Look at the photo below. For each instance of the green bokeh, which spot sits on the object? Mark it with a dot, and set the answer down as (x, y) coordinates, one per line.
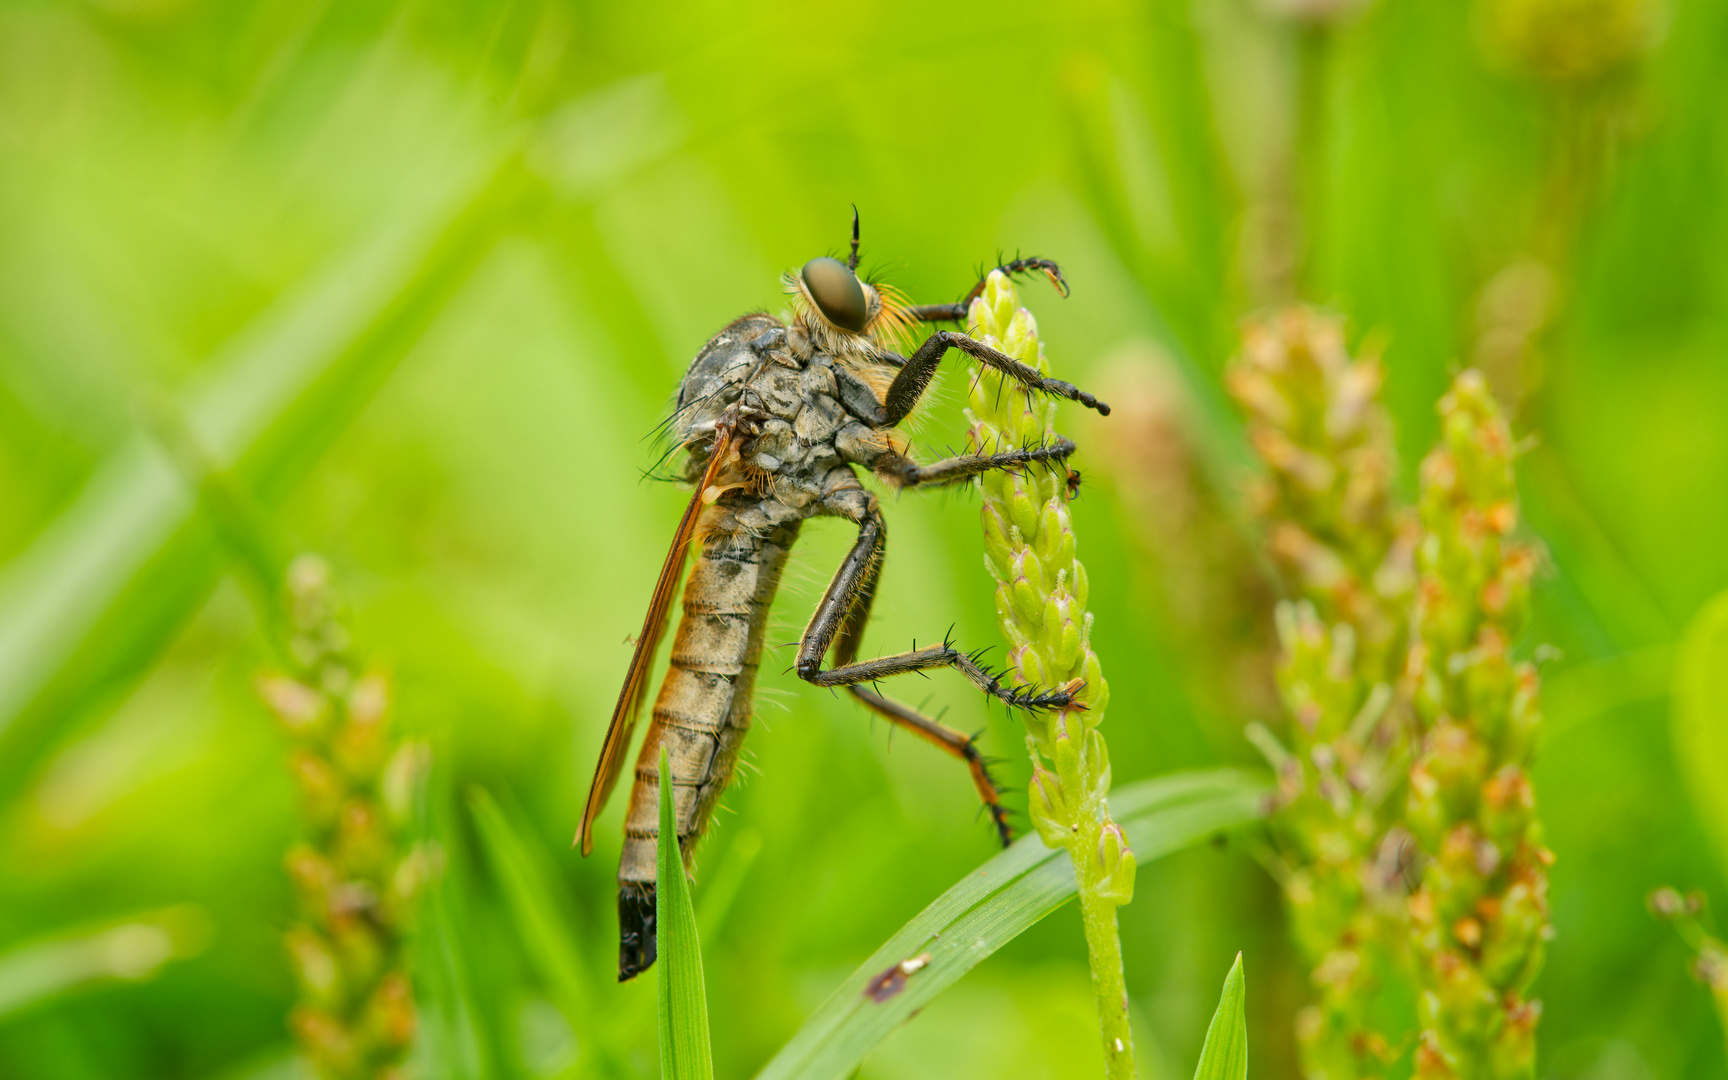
(490, 236)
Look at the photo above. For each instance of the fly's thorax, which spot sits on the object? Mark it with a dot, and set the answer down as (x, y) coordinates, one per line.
(875, 372)
(800, 410)
(798, 395)
(715, 380)
(786, 434)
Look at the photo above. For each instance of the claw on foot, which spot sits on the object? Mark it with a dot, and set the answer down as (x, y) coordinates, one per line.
(1072, 687)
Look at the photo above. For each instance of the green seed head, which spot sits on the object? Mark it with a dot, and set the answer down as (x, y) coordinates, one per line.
(1481, 910)
(358, 788)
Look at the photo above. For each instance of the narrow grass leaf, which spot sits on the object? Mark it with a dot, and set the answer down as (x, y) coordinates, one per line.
(101, 591)
(463, 1025)
(685, 1053)
(991, 906)
(1701, 719)
(132, 949)
(1225, 1055)
(534, 910)
(452, 1030)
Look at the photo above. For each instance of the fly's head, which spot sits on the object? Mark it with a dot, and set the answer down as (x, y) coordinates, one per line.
(842, 314)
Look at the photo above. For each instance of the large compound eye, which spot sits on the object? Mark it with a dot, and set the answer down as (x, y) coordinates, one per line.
(837, 292)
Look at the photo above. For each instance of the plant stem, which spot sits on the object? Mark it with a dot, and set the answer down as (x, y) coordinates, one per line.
(1103, 941)
(1109, 986)
(1041, 589)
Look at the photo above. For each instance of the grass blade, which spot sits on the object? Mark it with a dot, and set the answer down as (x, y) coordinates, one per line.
(1225, 1055)
(989, 908)
(129, 950)
(462, 1017)
(544, 933)
(453, 1029)
(685, 1053)
(100, 592)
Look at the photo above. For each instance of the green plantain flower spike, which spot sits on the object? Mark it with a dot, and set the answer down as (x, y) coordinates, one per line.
(1041, 592)
(1709, 954)
(1344, 550)
(1480, 914)
(355, 877)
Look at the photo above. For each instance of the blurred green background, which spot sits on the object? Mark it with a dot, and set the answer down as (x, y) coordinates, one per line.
(422, 276)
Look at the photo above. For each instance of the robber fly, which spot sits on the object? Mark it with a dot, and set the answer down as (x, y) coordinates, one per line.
(775, 418)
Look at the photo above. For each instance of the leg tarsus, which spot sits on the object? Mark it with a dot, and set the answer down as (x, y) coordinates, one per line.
(957, 312)
(964, 747)
(1023, 266)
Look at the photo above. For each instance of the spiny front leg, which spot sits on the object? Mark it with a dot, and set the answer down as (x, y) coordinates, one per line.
(957, 312)
(914, 377)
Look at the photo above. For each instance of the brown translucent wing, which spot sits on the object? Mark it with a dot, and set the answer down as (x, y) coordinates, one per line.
(635, 689)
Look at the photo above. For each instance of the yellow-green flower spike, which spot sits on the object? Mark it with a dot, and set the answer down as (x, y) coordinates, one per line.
(1709, 954)
(1570, 42)
(1344, 550)
(1480, 915)
(1041, 590)
(355, 876)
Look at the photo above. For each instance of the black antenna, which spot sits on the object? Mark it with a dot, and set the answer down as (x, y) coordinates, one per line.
(852, 263)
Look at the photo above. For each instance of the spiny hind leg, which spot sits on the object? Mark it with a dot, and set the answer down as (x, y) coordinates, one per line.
(937, 656)
(839, 622)
(948, 740)
(861, 576)
(840, 616)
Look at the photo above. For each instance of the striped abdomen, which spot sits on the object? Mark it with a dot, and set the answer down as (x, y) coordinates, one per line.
(701, 716)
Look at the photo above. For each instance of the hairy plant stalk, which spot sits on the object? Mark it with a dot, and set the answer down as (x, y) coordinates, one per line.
(1344, 549)
(1480, 914)
(355, 876)
(1029, 548)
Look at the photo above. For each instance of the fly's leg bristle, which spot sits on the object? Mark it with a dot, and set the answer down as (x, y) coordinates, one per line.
(992, 794)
